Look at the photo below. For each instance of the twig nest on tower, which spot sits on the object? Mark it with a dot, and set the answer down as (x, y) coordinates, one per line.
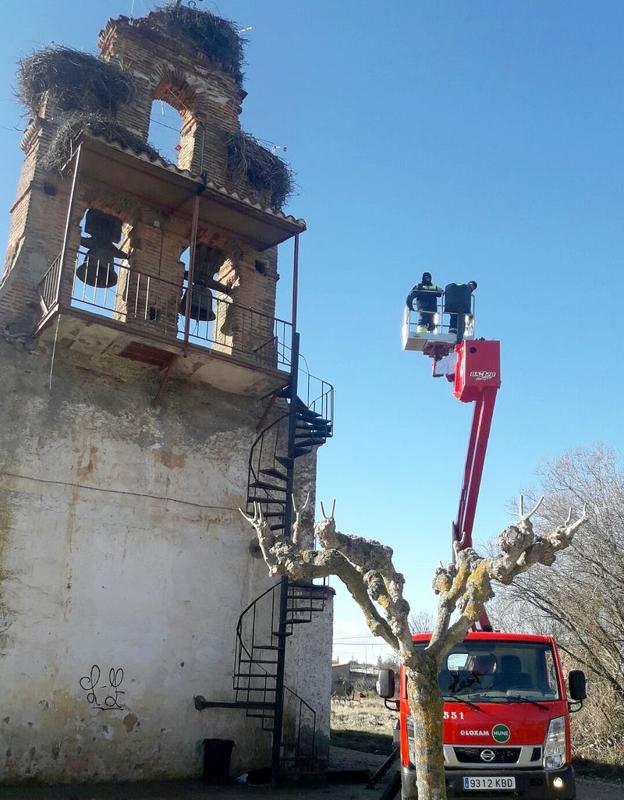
(78, 81)
(264, 171)
(61, 147)
(216, 38)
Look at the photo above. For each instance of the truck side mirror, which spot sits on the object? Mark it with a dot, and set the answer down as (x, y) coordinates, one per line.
(385, 684)
(577, 685)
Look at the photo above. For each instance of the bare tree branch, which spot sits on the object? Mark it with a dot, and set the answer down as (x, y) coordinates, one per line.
(283, 556)
(466, 585)
(373, 560)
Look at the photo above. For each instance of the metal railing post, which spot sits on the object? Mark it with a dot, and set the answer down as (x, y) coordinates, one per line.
(191, 271)
(68, 223)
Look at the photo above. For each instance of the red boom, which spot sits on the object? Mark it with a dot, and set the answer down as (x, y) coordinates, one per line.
(477, 379)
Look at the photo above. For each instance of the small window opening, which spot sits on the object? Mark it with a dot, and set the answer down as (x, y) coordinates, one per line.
(261, 267)
(165, 130)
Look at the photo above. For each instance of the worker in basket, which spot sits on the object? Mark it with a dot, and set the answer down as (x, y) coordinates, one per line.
(426, 294)
(458, 304)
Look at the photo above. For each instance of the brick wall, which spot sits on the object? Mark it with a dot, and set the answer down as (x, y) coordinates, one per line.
(209, 100)
(165, 68)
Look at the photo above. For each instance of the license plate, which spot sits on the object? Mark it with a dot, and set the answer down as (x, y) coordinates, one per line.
(493, 784)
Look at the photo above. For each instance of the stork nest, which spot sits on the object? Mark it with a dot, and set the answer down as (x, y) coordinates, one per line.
(262, 169)
(63, 145)
(79, 81)
(215, 37)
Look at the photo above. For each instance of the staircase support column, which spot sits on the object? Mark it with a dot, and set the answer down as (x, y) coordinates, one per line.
(283, 606)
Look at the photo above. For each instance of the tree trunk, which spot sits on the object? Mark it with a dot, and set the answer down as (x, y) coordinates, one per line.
(427, 707)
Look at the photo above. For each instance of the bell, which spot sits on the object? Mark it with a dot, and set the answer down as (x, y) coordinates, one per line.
(201, 304)
(98, 273)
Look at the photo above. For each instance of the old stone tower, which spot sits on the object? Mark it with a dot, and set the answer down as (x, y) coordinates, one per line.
(149, 392)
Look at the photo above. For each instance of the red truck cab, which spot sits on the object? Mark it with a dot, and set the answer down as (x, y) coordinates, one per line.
(506, 719)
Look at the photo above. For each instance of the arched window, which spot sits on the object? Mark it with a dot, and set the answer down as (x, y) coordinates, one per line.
(208, 298)
(165, 130)
(101, 265)
(173, 127)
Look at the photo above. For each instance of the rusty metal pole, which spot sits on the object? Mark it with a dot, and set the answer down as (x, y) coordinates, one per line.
(278, 721)
(295, 286)
(191, 271)
(68, 224)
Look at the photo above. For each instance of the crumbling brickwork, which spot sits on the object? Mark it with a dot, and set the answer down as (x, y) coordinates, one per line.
(160, 65)
(172, 70)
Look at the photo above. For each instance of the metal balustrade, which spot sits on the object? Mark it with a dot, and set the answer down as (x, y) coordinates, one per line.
(154, 307)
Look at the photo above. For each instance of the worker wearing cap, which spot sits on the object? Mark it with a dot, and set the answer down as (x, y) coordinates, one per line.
(426, 294)
(458, 304)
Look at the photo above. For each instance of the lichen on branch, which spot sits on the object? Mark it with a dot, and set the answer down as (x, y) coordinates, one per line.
(466, 585)
(365, 567)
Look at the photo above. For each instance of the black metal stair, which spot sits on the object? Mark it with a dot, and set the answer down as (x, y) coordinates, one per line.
(269, 457)
(263, 629)
(257, 645)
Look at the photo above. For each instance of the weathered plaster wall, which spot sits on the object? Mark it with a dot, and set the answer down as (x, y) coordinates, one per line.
(308, 673)
(121, 546)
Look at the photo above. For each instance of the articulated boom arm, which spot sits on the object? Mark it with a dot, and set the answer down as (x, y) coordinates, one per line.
(477, 379)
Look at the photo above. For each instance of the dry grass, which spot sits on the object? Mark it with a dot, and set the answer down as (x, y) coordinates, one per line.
(362, 724)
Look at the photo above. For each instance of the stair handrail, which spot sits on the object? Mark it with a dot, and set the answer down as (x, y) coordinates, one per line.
(312, 711)
(242, 647)
(259, 441)
(326, 396)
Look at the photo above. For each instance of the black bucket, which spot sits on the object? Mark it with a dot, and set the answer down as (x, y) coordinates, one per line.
(217, 756)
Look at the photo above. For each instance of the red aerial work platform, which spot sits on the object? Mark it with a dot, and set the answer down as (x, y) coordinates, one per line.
(476, 380)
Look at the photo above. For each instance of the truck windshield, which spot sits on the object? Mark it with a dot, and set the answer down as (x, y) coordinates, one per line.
(500, 671)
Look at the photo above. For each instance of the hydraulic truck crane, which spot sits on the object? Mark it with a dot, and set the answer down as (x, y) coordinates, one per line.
(506, 708)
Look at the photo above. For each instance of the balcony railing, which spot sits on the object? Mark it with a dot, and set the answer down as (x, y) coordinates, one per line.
(153, 307)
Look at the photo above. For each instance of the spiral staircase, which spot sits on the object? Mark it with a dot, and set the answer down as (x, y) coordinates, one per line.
(297, 418)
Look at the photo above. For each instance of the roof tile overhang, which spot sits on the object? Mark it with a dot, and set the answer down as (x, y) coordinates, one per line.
(173, 190)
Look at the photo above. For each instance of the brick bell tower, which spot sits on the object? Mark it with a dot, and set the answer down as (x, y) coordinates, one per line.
(151, 392)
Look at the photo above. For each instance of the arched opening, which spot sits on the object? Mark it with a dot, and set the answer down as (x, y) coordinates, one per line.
(208, 299)
(173, 127)
(100, 266)
(165, 128)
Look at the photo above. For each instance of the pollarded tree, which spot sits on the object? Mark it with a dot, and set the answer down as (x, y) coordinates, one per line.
(463, 587)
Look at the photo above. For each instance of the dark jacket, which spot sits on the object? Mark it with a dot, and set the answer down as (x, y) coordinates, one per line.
(426, 296)
(457, 298)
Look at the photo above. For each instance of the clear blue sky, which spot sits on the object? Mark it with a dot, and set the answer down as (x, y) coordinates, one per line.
(475, 139)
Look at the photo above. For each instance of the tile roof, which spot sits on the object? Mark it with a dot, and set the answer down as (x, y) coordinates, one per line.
(163, 164)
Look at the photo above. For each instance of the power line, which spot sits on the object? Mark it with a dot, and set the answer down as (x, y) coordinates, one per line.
(164, 125)
(110, 491)
(363, 644)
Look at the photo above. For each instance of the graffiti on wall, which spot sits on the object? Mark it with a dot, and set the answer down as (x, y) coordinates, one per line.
(99, 693)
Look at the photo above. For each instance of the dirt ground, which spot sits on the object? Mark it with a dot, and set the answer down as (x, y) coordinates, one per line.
(342, 758)
(362, 724)
(195, 790)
